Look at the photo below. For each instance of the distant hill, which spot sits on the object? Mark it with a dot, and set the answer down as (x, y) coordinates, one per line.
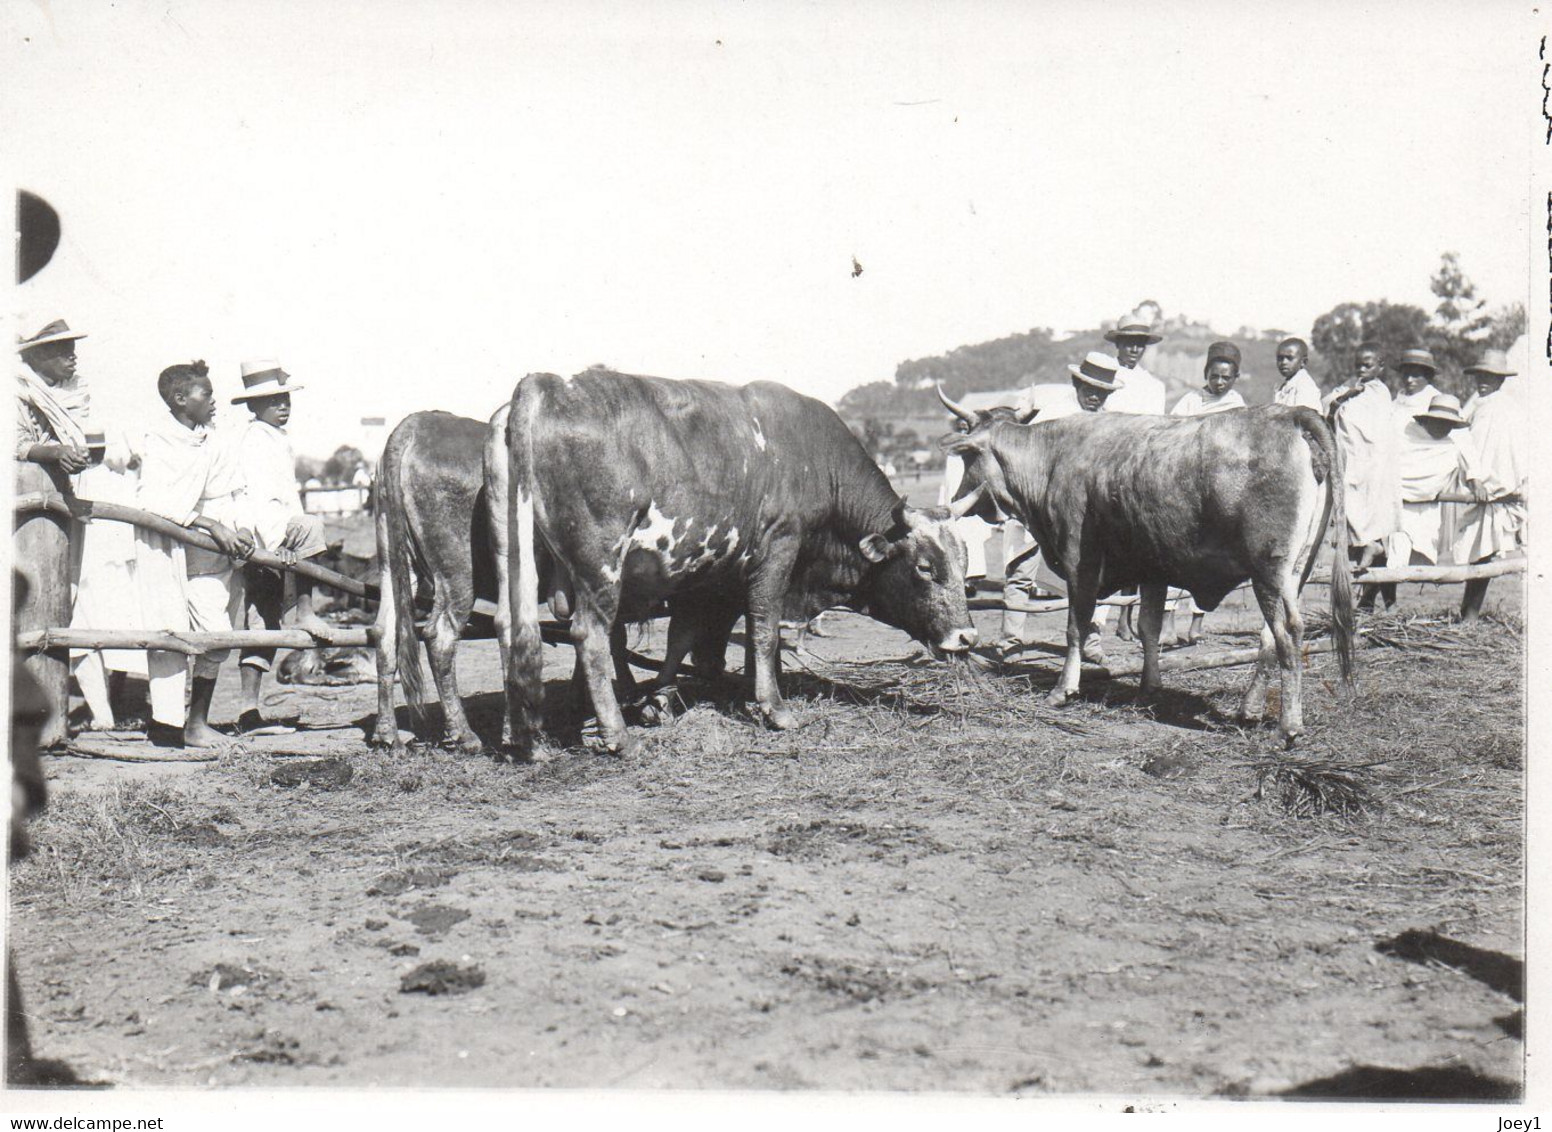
(1038, 356)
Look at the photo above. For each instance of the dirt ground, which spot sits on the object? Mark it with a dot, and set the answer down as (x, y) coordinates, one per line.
(935, 883)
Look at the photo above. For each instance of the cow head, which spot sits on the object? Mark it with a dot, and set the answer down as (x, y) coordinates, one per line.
(983, 491)
(917, 582)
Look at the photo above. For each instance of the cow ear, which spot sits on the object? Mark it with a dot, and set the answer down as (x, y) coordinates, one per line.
(875, 548)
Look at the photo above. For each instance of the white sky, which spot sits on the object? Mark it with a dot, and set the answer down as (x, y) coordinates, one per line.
(413, 204)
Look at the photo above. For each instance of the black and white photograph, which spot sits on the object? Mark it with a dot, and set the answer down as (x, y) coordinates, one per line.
(736, 550)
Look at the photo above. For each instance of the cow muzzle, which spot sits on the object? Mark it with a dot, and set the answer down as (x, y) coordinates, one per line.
(959, 640)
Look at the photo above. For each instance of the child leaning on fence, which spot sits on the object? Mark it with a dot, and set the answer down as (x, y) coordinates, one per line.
(189, 474)
(279, 525)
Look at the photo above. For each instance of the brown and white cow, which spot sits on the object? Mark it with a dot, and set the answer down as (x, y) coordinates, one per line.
(439, 553)
(1203, 503)
(709, 496)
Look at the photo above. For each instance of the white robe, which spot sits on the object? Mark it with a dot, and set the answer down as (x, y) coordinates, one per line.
(1140, 392)
(1429, 468)
(1300, 389)
(1499, 464)
(1198, 403)
(106, 594)
(1366, 430)
(184, 473)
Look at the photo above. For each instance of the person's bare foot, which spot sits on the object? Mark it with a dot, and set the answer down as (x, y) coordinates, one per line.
(202, 735)
(317, 628)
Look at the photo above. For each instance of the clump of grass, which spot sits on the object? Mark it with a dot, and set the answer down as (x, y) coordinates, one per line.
(1309, 788)
(115, 841)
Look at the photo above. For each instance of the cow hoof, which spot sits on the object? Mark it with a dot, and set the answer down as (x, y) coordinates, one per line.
(780, 718)
(464, 744)
(658, 708)
(595, 739)
(1057, 698)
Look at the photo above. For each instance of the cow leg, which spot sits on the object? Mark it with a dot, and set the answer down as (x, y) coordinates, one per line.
(1150, 620)
(767, 592)
(624, 678)
(590, 630)
(1288, 632)
(1082, 594)
(386, 732)
(1253, 702)
(442, 649)
(681, 638)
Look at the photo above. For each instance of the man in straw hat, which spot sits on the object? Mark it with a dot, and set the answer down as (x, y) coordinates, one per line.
(189, 474)
(279, 525)
(1140, 391)
(1498, 473)
(1298, 388)
(50, 448)
(1363, 415)
(1417, 369)
(1433, 462)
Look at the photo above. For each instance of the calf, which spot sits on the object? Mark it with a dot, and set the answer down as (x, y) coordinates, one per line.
(1203, 503)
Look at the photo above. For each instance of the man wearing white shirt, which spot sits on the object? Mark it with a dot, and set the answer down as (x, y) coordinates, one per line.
(1498, 472)
(1364, 418)
(1417, 369)
(1140, 391)
(1298, 387)
(279, 525)
(1433, 461)
(189, 474)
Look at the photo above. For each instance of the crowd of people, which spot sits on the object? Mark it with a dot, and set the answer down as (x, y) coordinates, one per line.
(235, 486)
(1428, 480)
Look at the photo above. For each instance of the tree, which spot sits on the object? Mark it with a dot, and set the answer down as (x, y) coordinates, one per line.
(1003, 363)
(341, 467)
(308, 467)
(1337, 334)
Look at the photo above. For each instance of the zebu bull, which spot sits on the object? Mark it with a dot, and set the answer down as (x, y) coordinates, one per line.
(439, 552)
(1203, 503)
(714, 497)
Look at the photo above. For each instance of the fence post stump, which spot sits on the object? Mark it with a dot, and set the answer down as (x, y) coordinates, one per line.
(42, 547)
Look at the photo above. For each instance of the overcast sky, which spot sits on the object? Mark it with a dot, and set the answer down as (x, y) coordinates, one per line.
(413, 204)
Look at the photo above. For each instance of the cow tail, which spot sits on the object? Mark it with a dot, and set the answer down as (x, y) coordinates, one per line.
(525, 685)
(402, 561)
(1343, 615)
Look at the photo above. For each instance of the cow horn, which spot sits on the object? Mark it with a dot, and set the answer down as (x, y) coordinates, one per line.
(962, 506)
(959, 411)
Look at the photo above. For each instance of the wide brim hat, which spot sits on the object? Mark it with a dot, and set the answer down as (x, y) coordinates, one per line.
(56, 331)
(1098, 370)
(1443, 408)
(264, 378)
(1494, 363)
(1132, 327)
(1419, 358)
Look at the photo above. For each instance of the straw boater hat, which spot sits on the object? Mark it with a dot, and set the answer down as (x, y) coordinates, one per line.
(55, 331)
(1417, 356)
(1223, 352)
(1098, 370)
(1132, 326)
(1442, 408)
(264, 378)
(1494, 362)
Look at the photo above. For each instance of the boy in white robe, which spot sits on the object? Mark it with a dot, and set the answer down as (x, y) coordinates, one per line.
(1298, 387)
(190, 475)
(279, 525)
(1498, 472)
(1365, 427)
(1433, 462)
